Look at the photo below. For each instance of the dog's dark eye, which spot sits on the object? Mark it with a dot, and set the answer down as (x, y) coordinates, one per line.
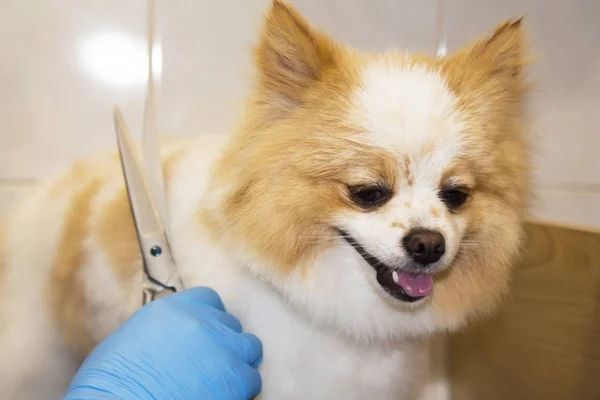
(369, 197)
(454, 197)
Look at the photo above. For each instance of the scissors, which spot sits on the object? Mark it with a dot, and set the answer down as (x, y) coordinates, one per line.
(145, 189)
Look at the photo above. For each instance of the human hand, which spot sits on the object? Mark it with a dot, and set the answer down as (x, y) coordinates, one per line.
(183, 346)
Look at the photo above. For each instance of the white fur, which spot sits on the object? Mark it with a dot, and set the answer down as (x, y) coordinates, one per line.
(332, 334)
(34, 363)
(404, 109)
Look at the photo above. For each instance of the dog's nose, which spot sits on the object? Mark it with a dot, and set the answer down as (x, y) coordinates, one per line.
(424, 246)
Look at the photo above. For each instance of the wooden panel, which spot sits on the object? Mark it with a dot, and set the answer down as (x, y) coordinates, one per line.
(545, 341)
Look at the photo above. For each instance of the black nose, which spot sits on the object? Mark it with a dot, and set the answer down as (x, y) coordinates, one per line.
(424, 246)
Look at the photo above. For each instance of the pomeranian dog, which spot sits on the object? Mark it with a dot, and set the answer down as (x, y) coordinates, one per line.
(365, 202)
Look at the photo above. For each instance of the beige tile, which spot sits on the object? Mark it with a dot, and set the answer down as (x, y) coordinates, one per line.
(565, 105)
(11, 193)
(59, 60)
(581, 208)
(52, 106)
(376, 24)
(207, 51)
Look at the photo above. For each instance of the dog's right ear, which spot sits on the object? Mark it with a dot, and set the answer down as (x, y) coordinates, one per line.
(290, 57)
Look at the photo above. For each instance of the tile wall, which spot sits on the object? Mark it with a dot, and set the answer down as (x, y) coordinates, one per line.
(64, 63)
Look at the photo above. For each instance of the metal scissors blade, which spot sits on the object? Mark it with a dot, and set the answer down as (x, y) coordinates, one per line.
(150, 148)
(159, 266)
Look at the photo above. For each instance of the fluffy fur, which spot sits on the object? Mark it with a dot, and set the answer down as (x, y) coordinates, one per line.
(256, 215)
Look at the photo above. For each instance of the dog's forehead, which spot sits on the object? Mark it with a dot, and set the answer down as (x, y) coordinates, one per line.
(408, 109)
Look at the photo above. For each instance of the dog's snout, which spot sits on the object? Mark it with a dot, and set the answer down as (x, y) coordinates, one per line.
(424, 246)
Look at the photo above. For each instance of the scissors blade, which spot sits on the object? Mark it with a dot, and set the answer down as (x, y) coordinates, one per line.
(156, 252)
(150, 148)
(144, 207)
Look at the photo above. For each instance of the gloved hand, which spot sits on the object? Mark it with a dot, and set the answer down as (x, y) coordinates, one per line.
(183, 346)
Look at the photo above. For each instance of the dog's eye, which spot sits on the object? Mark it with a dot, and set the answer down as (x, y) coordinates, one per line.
(454, 197)
(369, 197)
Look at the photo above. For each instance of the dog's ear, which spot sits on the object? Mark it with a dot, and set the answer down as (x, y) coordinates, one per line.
(499, 58)
(502, 52)
(291, 56)
(488, 75)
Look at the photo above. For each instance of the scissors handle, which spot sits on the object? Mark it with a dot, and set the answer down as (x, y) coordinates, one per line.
(151, 289)
(148, 294)
(160, 272)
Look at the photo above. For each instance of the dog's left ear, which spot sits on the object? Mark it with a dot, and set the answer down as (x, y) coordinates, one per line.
(291, 57)
(502, 52)
(497, 59)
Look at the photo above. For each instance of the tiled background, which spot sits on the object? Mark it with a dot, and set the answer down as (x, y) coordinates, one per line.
(64, 63)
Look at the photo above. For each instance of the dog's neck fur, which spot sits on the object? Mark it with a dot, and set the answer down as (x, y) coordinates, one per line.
(302, 358)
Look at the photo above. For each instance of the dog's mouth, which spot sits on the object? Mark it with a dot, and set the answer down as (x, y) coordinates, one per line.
(402, 285)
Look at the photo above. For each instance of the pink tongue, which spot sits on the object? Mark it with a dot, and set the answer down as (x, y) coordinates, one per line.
(415, 285)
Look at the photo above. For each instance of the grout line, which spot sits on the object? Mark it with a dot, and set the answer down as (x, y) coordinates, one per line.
(13, 182)
(572, 189)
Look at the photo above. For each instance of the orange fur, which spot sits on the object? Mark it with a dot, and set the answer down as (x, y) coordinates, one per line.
(460, 169)
(65, 289)
(75, 176)
(408, 173)
(116, 235)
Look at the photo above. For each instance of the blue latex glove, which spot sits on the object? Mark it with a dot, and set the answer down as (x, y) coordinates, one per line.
(183, 346)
